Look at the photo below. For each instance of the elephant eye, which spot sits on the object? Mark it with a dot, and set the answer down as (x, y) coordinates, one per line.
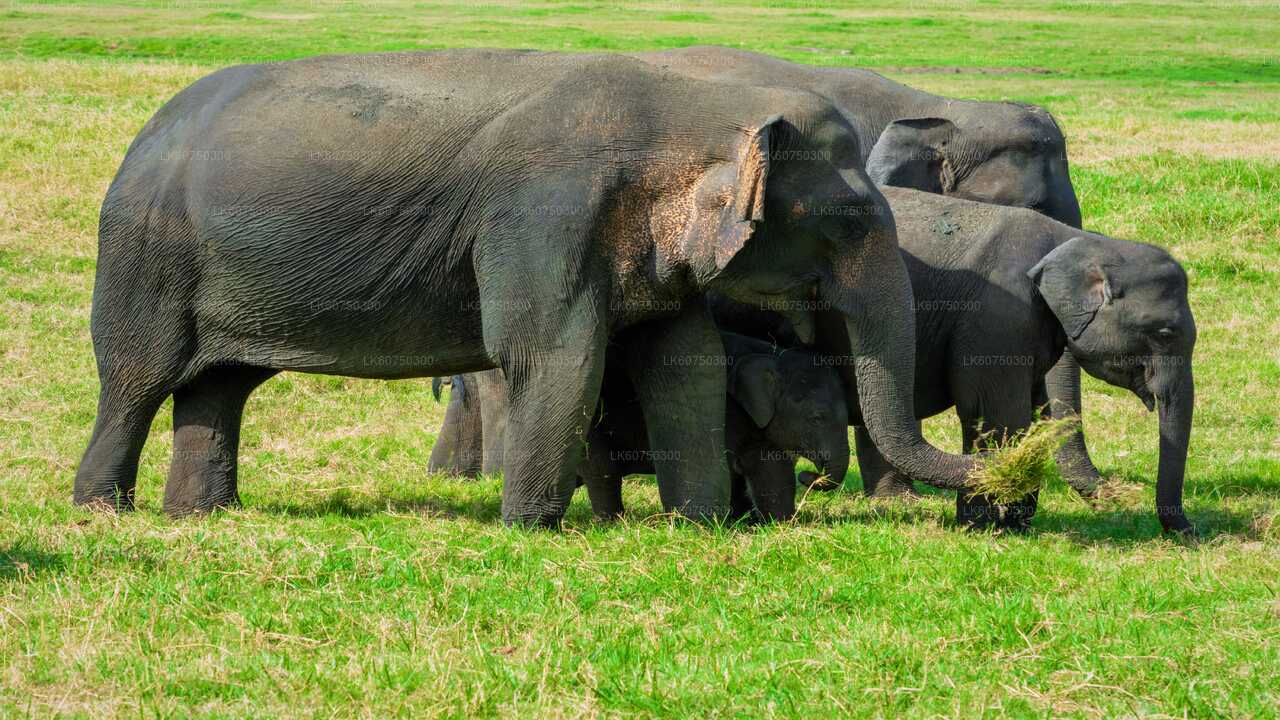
(1166, 332)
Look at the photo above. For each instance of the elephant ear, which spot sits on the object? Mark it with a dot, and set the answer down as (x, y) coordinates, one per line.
(754, 384)
(912, 153)
(1074, 281)
(730, 200)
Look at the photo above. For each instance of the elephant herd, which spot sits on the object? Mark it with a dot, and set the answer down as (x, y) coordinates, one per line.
(699, 263)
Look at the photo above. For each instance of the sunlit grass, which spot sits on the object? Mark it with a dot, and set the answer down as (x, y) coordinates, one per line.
(354, 583)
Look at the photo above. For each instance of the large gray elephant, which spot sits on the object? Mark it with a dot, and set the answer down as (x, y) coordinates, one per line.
(996, 152)
(426, 214)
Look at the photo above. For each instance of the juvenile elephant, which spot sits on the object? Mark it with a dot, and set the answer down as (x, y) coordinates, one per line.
(782, 404)
(426, 214)
(1001, 292)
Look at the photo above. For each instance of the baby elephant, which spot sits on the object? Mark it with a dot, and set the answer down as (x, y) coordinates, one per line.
(1000, 293)
(783, 404)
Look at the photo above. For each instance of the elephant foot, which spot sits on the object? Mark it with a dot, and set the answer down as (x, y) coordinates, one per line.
(1086, 485)
(976, 512)
(1015, 523)
(114, 502)
(1177, 526)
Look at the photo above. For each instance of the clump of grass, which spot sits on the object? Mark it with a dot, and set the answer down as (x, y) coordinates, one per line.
(1020, 464)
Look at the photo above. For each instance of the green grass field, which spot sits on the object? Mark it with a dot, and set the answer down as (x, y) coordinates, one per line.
(354, 584)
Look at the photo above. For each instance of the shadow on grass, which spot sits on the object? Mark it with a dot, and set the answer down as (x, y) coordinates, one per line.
(1122, 527)
(20, 563)
(1086, 526)
(1237, 484)
(344, 503)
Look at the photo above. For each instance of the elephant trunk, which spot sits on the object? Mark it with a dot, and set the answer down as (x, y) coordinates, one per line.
(1059, 201)
(832, 464)
(1063, 206)
(1176, 398)
(872, 341)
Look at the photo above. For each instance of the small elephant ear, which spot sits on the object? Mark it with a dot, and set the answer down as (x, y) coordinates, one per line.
(754, 384)
(911, 153)
(1074, 282)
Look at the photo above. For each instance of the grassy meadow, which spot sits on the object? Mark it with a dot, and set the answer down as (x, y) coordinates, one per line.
(352, 583)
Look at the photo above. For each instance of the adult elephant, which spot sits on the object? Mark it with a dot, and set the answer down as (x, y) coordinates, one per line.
(1002, 153)
(425, 214)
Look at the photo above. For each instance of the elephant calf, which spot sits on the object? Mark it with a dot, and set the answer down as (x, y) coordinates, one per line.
(1001, 292)
(782, 404)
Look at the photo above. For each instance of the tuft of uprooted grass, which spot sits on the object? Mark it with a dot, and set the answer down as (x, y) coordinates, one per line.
(1020, 464)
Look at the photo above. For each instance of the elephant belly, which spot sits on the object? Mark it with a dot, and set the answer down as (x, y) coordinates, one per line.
(315, 324)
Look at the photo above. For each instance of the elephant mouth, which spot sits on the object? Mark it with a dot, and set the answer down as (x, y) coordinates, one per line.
(1140, 385)
(1146, 396)
(813, 480)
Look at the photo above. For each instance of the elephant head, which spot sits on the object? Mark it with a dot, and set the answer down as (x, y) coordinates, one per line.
(1001, 153)
(1123, 307)
(798, 403)
(796, 220)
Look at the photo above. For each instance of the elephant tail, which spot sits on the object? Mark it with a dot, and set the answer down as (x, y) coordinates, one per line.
(455, 383)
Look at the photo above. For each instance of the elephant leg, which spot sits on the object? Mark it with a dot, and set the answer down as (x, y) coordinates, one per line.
(553, 390)
(605, 493)
(206, 439)
(989, 412)
(458, 445)
(772, 483)
(974, 511)
(740, 504)
(677, 367)
(108, 473)
(879, 478)
(1063, 385)
(491, 392)
(603, 480)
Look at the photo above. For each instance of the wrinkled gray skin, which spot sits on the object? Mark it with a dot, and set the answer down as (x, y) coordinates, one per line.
(428, 214)
(782, 404)
(1001, 292)
(995, 152)
(1002, 153)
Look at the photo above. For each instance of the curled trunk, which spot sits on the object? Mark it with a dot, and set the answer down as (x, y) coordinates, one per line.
(868, 331)
(832, 466)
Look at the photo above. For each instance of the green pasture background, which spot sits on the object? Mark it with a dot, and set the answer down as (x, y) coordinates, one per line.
(352, 583)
